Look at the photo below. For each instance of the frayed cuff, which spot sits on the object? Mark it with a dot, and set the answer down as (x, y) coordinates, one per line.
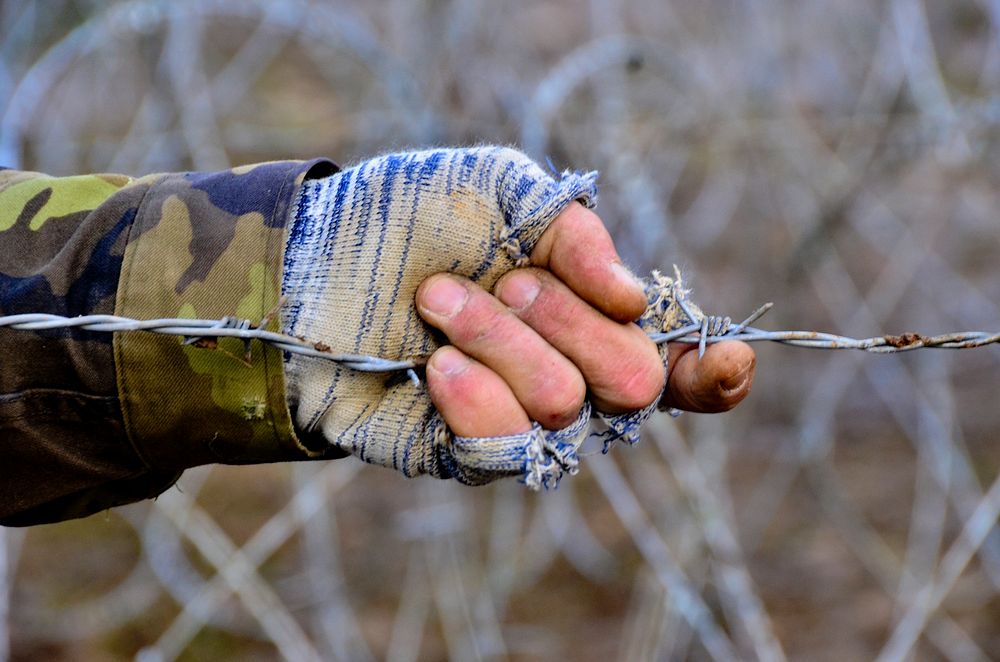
(539, 457)
(520, 239)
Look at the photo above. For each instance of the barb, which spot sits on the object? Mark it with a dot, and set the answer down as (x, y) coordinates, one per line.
(697, 333)
(205, 333)
(702, 330)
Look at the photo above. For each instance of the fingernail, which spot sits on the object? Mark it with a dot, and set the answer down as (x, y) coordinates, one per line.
(625, 276)
(445, 297)
(450, 361)
(519, 290)
(734, 382)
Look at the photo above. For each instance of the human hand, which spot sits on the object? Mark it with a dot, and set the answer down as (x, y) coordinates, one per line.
(552, 332)
(370, 241)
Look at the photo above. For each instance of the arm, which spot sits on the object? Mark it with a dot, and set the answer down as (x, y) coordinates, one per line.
(88, 421)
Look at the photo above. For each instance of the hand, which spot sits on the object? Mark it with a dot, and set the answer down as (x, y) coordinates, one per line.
(553, 331)
(444, 228)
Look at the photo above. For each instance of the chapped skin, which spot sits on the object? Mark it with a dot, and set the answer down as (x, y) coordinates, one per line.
(567, 330)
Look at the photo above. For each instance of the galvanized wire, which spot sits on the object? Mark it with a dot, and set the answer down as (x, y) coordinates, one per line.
(204, 333)
(702, 330)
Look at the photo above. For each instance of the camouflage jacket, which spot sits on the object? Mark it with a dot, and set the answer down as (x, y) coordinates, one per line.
(90, 420)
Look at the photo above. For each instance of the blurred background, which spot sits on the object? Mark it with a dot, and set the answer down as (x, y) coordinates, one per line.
(837, 157)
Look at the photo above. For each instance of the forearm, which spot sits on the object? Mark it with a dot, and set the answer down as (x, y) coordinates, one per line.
(88, 421)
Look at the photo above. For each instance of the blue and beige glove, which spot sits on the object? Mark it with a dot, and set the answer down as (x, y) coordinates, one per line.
(361, 243)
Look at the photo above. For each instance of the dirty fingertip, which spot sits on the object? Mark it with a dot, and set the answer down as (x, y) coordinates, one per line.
(578, 249)
(632, 294)
(714, 383)
(449, 361)
(473, 400)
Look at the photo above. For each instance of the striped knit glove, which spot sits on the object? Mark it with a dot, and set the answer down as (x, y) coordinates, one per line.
(361, 242)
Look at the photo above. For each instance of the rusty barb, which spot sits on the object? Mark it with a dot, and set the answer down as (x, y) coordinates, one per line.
(703, 330)
(707, 329)
(700, 331)
(698, 328)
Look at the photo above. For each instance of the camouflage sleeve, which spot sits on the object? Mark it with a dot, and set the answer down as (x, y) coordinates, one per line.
(88, 421)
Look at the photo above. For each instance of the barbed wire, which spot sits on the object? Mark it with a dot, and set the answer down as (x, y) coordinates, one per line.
(702, 330)
(205, 333)
(713, 328)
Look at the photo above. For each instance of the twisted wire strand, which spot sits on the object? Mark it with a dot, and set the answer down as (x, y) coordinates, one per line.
(888, 344)
(712, 329)
(702, 330)
(708, 329)
(195, 330)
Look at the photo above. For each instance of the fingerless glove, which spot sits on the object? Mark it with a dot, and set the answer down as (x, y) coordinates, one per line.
(361, 242)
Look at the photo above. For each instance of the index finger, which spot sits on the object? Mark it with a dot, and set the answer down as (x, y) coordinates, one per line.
(577, 248)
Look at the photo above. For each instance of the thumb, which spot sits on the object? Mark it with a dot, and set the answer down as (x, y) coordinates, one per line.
(716, 382)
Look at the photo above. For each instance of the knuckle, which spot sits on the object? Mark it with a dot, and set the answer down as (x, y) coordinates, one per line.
(559, 318)
(477, 324)
(562, 399)
(639, 382)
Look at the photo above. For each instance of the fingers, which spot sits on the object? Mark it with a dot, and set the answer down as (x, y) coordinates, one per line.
(545, 382)
(621, 366)
(536, 358)
(717, 382)
(578, 249)
(474, 400)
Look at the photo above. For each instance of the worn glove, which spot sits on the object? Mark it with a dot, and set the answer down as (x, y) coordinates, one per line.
(361, 242)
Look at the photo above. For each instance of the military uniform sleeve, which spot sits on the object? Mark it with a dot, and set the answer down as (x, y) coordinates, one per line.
(89, 420)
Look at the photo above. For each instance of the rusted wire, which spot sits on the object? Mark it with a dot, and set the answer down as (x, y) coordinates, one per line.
(712, 329)
(702, 330)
